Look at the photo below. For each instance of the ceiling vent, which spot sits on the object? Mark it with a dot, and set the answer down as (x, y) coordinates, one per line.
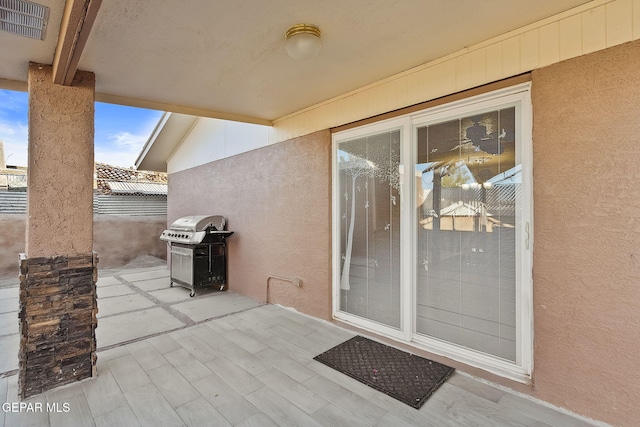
(23, 18)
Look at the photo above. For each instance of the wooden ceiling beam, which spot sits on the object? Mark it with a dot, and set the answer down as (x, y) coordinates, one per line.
(77, 21)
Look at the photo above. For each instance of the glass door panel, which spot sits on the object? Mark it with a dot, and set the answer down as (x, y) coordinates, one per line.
(468, 196)
(369, 227)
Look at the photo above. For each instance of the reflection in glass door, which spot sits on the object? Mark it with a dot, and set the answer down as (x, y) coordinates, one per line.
(466, 232)
(448, 267)
(369, 227)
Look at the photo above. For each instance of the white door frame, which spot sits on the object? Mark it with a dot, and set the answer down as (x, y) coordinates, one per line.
(518, 95)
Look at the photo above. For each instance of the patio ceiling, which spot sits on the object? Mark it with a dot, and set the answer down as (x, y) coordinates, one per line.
(226, 59)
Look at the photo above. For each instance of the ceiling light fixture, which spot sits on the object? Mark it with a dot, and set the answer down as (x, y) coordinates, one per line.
(303, 41)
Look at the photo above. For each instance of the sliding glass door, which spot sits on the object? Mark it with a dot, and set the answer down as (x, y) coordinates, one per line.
(432, 230)
(466, 231)
(369, 223)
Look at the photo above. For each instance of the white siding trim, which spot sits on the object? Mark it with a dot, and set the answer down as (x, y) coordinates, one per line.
(209, 140)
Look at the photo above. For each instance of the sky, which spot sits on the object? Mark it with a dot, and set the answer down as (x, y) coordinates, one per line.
(120, 132)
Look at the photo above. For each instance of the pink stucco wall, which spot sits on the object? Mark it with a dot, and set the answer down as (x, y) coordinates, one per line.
(60, 197)
(277, 200)
(117, 240)
(12, 232)
(586, 139)
(586, 266)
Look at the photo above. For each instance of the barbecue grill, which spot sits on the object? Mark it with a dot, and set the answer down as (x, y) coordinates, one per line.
(198, 251)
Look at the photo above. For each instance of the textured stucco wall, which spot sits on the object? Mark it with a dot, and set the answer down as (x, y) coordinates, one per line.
(12, 231)
(586, 244)
(121, 239)
(117, 240)
(586, 139)
(60, 197)
(277, 200)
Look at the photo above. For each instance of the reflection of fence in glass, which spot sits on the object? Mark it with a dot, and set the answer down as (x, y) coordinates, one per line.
(474, 209)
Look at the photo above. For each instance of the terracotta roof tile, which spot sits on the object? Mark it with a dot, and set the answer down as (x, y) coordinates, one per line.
(105, 172)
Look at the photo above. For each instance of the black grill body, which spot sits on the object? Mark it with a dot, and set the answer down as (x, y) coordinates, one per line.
(198, 252)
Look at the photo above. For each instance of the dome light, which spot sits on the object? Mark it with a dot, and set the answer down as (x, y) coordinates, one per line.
(303, 41)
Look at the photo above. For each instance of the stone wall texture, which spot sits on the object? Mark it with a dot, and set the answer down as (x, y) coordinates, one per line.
(57, 318)
(58, 273)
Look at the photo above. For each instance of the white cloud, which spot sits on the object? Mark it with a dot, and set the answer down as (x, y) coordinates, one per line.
(122, 151)
(119, 138)
(13, 101)
(128, 140)
(13, 131)
(15, 154)
(6, 129)
(115, 158)
(15, 138)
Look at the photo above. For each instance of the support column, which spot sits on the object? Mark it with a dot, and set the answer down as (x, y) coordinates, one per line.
(58, 273)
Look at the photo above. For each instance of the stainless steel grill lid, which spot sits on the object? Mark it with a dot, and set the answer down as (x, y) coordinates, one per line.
(193, 229)
(199, 223)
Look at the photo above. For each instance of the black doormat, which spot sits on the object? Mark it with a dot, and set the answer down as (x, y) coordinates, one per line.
(409, 378)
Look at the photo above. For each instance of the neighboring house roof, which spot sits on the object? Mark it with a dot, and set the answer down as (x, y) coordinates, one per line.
(107, 180)
(150, 188)
(118, 180)
(499, 201)
(461, 208)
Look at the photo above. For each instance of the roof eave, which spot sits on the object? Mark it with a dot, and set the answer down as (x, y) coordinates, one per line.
(165, 138)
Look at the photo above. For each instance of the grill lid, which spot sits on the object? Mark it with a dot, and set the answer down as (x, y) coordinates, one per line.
(193, 229)
(199, 223)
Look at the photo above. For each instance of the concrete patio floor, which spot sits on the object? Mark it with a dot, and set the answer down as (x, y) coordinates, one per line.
(222, 359)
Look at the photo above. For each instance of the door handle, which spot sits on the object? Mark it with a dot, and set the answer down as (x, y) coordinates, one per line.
(526, 238)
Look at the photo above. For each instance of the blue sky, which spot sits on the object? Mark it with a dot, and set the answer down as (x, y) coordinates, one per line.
(120, 132)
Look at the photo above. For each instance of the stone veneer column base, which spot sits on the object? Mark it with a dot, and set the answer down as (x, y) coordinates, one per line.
(58, 309)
